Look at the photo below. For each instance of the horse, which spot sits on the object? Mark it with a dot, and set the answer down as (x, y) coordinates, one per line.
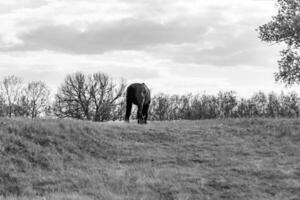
(138, 94)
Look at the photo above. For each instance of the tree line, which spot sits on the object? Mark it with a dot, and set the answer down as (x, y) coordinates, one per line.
(224, 105)
(26, 100)
(98, 97)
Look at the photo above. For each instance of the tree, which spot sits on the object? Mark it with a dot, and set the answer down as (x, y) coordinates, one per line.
(160, 107)
(120, 109)
(37, 98)
(91, 97)
(12, 92)
(204, 107)
(273, 106)
(285, 27)
(3, 106)
(226, 102)
(185, 106)
(73, 98)
(104, 95)
(289, 107)
(260, 104)
(244, 108)
(174, 102)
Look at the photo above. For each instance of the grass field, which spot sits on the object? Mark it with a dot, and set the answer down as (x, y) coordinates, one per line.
(186, 160)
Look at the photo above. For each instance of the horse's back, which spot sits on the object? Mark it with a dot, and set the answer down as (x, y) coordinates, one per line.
(138, 92)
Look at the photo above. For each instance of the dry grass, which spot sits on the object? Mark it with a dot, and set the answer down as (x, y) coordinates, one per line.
(49, 197)
(184, 160)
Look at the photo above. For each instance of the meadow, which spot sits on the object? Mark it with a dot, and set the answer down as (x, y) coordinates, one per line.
(173, 160)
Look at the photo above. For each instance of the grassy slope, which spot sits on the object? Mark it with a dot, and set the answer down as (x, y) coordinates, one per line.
(213, 159)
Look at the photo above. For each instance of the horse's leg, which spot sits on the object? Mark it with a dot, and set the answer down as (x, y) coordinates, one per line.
(128, 110)
(145, 112)
(140, 113)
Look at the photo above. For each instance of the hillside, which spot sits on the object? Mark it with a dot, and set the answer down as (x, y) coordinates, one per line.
(210, 159)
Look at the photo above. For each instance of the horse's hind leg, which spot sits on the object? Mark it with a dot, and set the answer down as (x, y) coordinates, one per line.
(128, 110)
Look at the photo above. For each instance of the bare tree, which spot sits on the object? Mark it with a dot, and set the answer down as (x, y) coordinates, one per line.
(105, 95)
(204, 107)
(273, 106)
(37, 98)
(160, 106)
(288, 105)
(226, 102)
(185, 106)
(174, 107)
(120, 109)
(12, 92)
(73, 98)
(3, 106)
(260, 102)
(91, 97)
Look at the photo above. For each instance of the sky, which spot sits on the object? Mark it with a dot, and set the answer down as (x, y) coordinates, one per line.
(174, 46)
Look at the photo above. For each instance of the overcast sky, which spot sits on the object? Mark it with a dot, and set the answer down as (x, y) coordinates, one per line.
(174, 46)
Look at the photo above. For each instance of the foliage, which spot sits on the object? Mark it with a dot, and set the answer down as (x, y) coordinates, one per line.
(285, 28)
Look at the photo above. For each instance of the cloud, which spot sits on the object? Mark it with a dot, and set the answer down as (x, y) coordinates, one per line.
(213, 36)
(223, 46)
(52, 67)
(99, 37)
(176, 46)
(9, 6)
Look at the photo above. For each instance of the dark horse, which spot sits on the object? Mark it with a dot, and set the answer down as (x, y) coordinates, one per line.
(138, 94)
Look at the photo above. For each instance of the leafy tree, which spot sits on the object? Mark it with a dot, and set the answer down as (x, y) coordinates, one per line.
(285, 28)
